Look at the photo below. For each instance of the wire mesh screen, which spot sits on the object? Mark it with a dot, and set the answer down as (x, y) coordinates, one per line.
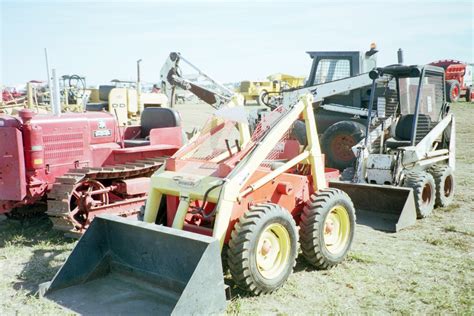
(216, 138)
(431, 104)
(267, 122)
(332, 69)
(219, 141)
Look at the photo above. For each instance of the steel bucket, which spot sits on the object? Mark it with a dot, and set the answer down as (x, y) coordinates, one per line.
(121, 266)
(382, 207)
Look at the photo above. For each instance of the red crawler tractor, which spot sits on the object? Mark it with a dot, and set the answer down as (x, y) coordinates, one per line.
(81, 164)
(459, 78)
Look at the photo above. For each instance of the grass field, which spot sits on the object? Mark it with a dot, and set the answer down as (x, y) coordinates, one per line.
(427, 268)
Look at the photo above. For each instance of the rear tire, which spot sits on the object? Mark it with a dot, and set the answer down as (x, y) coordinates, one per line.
(424, 191)
(337, 142)
(468, 94)
(262, 249)
(327, 228)
(453, 91)
(445, 185)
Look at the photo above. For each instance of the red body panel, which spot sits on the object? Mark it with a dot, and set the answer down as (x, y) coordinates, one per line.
(288, 190)
(12, 169)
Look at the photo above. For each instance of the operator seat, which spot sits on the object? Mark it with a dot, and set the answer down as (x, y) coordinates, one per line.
(153, 117)
(104, 92)
(404, 129)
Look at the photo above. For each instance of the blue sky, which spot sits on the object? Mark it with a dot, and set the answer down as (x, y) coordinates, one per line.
(230, 40)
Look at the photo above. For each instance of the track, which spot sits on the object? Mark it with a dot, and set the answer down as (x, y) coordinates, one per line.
(59, 208)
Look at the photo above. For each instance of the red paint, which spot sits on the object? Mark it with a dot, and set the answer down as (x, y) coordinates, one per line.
(290, 190)
(454, 70)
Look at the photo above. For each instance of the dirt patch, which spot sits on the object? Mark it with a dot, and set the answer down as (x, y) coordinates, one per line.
(424, 269)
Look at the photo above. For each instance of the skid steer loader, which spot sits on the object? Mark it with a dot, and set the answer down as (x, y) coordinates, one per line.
(405, 163)
(226, 190)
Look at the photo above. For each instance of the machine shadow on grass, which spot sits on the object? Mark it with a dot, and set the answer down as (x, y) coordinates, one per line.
(48, 247)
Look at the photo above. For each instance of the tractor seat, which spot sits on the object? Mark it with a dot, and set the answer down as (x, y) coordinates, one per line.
(404, 129)
(394, 143)
(153, 117)
(136, 142)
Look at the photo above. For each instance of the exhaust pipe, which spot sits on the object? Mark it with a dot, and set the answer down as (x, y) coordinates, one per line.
(400, 56)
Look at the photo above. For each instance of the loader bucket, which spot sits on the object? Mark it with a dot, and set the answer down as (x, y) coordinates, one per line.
(382, 207)
(121, 266)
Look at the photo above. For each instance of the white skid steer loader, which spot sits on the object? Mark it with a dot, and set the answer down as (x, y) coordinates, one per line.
(405, 163)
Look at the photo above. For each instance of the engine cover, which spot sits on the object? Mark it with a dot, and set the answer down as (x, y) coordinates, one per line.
(380, 168)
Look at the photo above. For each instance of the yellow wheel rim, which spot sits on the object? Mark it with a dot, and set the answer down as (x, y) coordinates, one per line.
(273, 250)
(336, 229)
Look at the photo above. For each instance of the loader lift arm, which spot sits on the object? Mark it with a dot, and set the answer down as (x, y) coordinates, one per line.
(171, 78)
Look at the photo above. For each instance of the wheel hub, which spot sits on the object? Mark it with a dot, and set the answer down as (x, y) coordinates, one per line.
(448, 186)
(273, 249)
(341, 146)
(426, 194)
(336, 229)
(81, 201)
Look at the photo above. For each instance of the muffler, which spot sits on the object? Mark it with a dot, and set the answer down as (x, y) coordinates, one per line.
(121, 266)
(382, 207)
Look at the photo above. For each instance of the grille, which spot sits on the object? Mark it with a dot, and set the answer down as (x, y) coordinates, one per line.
(332, 69)
(60, 146)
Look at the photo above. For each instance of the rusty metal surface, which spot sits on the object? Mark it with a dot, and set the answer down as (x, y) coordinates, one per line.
(59, 197)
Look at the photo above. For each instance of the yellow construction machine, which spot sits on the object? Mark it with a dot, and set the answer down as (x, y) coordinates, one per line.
(262, 91)
(226, 190)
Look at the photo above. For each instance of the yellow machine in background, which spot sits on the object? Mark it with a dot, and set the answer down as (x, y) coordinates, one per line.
(125, 103)
(259, 90)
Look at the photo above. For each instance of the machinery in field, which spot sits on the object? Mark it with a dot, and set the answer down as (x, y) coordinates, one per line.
(264, 91)
(459, 79)
(81, 164)
(406, 160)
(226, 190)
(126, 103)
(172, 78)
(341, 117)
(73, 95)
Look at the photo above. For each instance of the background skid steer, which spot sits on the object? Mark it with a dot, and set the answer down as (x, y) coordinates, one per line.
(228, 188)
(406, 161)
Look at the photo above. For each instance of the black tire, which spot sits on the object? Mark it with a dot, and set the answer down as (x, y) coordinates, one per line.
(453, 91)
(337, 141)
(468, 94)
(242, 253)
(424, 191)
(445, 184)
(261, 97)
(313, 228)
(299, 132)
(348, 174)
(141, 214)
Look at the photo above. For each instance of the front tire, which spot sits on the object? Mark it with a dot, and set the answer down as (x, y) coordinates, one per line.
(424, 191)
(327, 228)
(262, 249)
